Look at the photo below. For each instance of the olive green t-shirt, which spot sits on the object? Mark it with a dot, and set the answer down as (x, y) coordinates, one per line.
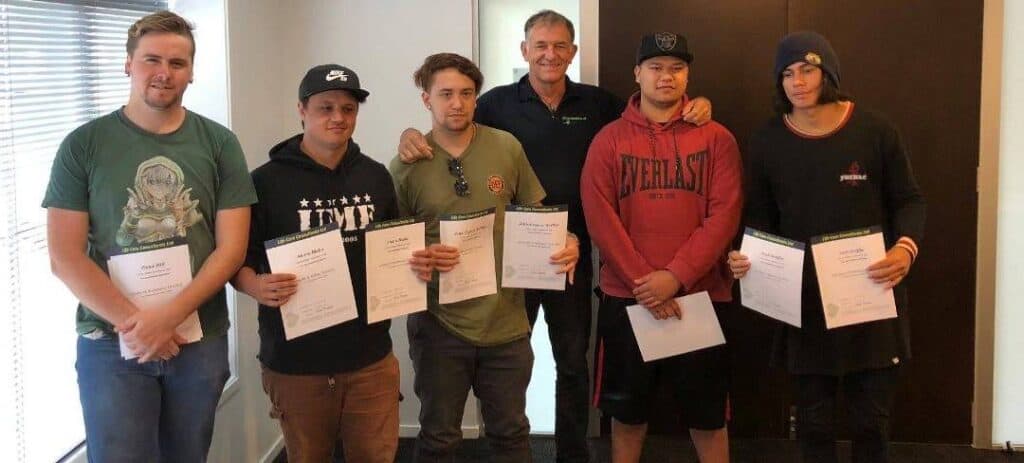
(498, 174)
(139, 187)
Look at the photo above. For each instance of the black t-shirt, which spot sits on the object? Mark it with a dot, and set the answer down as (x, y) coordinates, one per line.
(556, 142)
(798, 187)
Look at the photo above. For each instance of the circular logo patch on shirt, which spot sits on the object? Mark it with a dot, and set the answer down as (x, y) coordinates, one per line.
(496, 184)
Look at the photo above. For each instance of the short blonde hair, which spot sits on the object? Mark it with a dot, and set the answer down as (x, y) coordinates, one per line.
(161, 21)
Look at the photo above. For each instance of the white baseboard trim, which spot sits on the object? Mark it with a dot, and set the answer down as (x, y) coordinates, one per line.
(274, 450)
(76, 456)
(412, 430)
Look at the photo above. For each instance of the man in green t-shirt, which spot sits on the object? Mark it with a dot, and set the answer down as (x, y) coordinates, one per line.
(150, 176)
(481, 343)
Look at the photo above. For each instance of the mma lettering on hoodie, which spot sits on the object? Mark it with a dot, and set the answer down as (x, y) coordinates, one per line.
(647, 173)
(351, 213)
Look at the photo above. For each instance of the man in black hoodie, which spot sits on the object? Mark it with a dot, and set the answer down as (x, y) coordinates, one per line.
(340, 383)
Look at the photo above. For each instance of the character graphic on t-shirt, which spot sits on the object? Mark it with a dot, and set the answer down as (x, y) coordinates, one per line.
(160, 206)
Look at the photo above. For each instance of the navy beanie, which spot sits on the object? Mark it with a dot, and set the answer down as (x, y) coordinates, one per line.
(809, 47)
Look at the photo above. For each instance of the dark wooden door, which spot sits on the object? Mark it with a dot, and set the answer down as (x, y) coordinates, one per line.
(917, 62)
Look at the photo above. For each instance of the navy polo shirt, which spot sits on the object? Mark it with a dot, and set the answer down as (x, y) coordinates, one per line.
(556, 142)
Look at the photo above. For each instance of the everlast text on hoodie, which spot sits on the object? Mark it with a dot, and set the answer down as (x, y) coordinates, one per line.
(663, 197)
(295, 194)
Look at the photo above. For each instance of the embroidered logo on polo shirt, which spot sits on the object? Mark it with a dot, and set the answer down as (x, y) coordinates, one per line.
(570, 120)
(496, 184)
(853, 175)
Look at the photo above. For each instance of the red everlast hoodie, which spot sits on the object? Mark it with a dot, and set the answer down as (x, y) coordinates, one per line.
(663, 197)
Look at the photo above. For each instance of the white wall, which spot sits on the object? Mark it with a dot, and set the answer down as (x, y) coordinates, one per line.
(999, 381)
(244, 431)
(208, 92)
(1008, 397)
(988, 188)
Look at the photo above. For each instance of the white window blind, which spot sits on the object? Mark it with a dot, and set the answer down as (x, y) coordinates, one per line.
(61, 64)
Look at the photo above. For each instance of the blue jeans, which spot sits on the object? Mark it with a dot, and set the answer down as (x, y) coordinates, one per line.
(155, 411)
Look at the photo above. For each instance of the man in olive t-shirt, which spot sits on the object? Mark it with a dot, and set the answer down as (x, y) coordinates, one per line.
(481, 343)
(148, 175)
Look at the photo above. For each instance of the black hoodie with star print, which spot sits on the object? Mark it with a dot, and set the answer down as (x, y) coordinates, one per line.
(296, 194)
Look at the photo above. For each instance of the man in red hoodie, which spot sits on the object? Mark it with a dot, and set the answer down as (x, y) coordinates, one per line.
(662, 200)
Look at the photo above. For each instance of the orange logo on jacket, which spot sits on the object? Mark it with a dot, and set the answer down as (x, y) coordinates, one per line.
(496, 184)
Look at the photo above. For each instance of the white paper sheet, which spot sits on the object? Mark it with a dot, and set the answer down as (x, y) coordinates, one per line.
(473, 235)
(392, 288)
(848, 295)
(324, 296)
(773, 284)
(532, 235)
(698, 329)
(153, 277)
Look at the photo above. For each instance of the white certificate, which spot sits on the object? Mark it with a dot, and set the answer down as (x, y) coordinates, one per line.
(698, 329)
(772, 286)
(473, 235)
(848, 295)
(532, 235)
(324, 296)
(151, 275)
(392, 288)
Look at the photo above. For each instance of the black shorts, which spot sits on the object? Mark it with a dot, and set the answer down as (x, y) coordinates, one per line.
(625, 384)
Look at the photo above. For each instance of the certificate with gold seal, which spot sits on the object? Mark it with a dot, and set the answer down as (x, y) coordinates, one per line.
(848, 295)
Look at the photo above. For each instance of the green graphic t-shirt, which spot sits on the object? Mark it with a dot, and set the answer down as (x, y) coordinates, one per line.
(139, 187)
